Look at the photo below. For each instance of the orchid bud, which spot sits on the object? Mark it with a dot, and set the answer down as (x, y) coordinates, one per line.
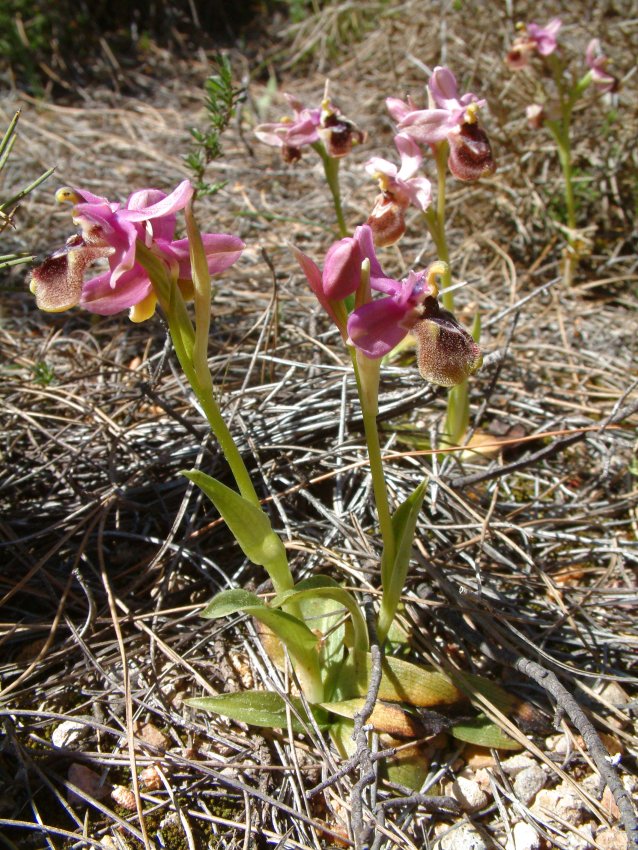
(446, 353)
(470, 153)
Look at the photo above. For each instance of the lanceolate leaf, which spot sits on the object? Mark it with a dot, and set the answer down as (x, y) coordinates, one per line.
(250, 526)
(393, 574)
(293, 632)
(322, 586)
(259, 708)
(300, 642)
(230, 602)
(401, 681)
(484, 733)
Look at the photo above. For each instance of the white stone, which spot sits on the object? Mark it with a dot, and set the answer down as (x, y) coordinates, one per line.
(69, 733)
(529, 782)
(611, 839)
(469, 794)
(563, 801)
(524, 837)
(583, 839)
(514, 764)
(465, 837)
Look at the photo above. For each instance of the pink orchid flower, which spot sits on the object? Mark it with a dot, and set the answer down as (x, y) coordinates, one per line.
(450, 112)
(544, 38)
(446, 353)
(533, 39)
(377, 327)
(309, 126)
(597, 64)
(453, 118)
(399, 188)
(291, 134)
(110, 231)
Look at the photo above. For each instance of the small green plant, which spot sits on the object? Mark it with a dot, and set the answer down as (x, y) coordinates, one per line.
(222, 98)
(9, 205)
(43, 374)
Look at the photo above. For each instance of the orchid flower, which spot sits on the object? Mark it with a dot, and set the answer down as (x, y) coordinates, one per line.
(533, 39)
(399, 188)
(111, 231)
(597, 64)
(341, 275)
(291, 134)
(309, 126)
(446, 353)
(377, 325)
(453, 117)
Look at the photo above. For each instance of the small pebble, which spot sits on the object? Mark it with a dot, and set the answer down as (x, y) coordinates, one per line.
(524, 837)
(69, 733)
(563, 801)
(529, 782)
(468, 793)
(87, 781)
(611, 839)
(515, 764)
(465, 837)
(583, 840)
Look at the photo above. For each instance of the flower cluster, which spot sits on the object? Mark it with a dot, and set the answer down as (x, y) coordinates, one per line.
(308, 127)
(542, 41)
(447, 353)
(110, 231)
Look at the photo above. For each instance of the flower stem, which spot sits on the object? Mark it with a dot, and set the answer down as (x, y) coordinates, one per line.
(435, 221)
(366, 372)
(184, 340)
(331, 170)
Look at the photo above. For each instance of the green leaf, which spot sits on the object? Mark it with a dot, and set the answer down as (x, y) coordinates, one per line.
(259, 708)
(484, 733)
(401, 681)
(249, 525)
(230, 602)
(293, 632)
(317, 587)
(300, 642)
(393, 574)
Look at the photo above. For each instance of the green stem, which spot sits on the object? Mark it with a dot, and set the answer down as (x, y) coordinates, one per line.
(331, 170)
(435, 221)
(184, 341)
(366, 372)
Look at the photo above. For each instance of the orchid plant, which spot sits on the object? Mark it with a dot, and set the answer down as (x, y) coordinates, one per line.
(536, 50)
(318, 623)
(329, 133)
(449, 127)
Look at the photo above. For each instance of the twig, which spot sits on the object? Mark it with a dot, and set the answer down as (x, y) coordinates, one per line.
(542, 454)
(566, 703)
(361, 832)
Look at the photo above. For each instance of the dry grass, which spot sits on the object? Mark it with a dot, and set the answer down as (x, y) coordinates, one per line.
(108, 556)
